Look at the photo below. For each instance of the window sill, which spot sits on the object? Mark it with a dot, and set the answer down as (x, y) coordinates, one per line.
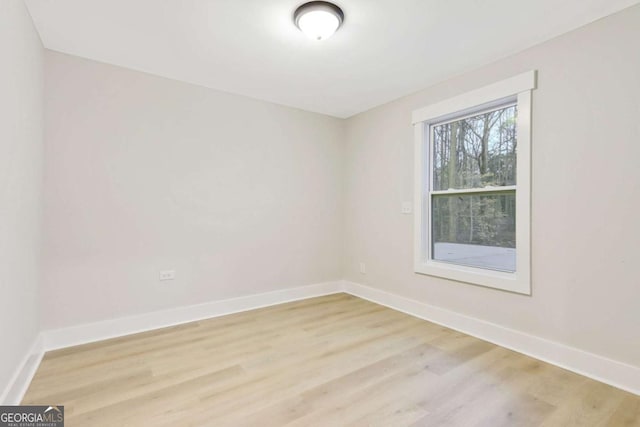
(511, 282)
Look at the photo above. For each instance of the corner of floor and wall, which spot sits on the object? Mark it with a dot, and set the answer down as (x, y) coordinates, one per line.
(114, 175)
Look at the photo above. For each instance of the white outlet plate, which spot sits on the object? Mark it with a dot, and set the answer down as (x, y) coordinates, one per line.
(363, 268)
(407, 207)
(167, 274)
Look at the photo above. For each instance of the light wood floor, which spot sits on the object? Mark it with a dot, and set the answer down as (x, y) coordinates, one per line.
(328, 361)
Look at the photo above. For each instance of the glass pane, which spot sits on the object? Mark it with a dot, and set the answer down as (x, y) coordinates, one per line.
(475, 152)
(475, 230)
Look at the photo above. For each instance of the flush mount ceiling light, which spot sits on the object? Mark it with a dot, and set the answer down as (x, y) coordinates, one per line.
(318, 19)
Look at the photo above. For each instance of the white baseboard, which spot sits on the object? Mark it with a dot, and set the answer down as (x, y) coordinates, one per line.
(17, 386)
(98, 331)
(82, 334)
(617, 374)
(600, 368)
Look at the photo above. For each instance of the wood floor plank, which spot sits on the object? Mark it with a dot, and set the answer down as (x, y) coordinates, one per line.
(328, 361)
(627, 414)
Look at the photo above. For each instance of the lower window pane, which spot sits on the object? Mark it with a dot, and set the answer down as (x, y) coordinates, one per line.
(476, 230)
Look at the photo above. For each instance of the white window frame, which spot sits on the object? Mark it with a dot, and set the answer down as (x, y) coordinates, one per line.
(516, 89)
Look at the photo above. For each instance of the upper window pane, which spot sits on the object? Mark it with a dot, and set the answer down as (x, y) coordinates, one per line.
(475, 152)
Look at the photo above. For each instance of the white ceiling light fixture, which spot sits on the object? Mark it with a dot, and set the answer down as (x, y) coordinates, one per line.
(318, 19)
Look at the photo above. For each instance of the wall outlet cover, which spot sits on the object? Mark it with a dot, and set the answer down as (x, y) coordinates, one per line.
(167, 274)
(363, 268)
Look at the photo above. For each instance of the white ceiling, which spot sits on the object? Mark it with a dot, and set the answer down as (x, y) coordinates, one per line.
(386, 48)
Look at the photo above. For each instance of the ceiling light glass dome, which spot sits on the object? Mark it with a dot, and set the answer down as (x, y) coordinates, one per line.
(318, 19)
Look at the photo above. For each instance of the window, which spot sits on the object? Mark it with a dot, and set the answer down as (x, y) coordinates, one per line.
(473, 186)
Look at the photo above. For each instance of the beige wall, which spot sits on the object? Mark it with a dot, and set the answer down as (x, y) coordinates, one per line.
(585, 196)
(144, 174)
(21, 90)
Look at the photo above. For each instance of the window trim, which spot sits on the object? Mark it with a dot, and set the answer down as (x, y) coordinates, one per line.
(517, 88)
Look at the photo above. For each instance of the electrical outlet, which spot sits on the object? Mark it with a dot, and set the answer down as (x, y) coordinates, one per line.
(407, 207)
(363, 268)
(167, 274)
